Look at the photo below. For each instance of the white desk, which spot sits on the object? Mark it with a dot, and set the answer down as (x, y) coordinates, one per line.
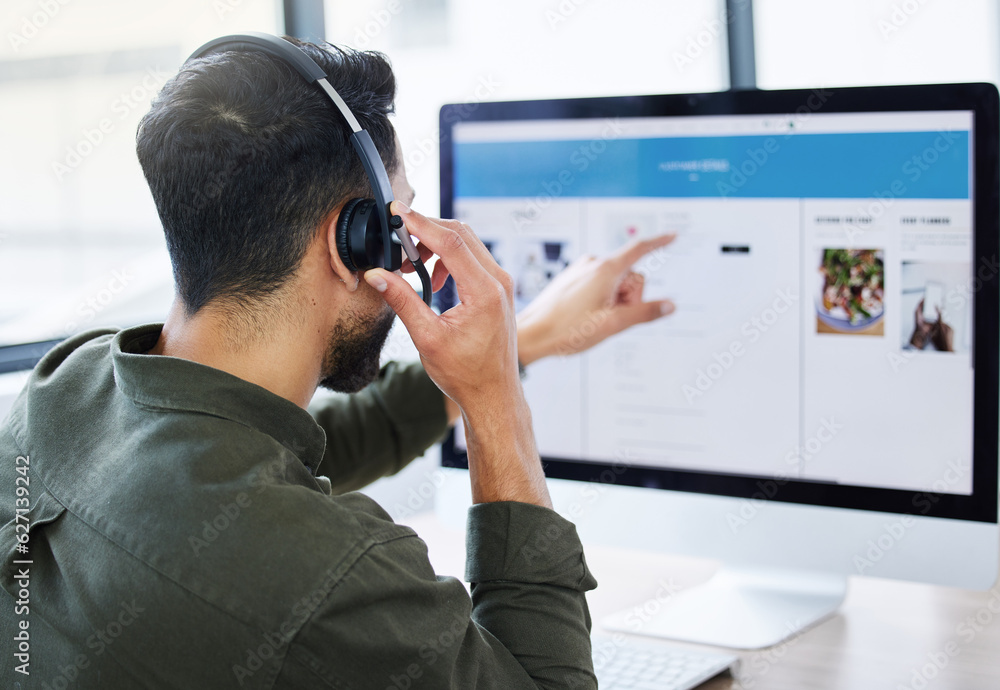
(885, 632)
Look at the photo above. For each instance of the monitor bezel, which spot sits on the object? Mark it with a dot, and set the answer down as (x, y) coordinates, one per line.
(982, 100)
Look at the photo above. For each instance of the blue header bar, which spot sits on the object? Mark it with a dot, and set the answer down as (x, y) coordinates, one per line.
(908, 165)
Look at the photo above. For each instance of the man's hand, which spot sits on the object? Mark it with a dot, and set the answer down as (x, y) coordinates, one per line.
(921, 329)
(472, 348)
(942, 335)
(470, 352)
(589, 301)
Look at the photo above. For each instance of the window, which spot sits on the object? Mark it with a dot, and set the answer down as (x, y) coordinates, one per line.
(861, 42)
(80, 242)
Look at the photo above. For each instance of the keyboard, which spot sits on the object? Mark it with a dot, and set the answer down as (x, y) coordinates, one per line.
(626, 663)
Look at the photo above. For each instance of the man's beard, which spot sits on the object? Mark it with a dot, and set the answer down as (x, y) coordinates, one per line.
(352, 356)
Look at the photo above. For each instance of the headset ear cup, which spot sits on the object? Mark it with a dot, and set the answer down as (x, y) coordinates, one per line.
(366, 238)
(359, 235)
(343, 234)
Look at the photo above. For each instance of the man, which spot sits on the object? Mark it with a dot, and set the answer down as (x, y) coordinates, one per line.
(190, 525)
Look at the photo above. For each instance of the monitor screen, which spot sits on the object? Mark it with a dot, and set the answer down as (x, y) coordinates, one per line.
(834, 274)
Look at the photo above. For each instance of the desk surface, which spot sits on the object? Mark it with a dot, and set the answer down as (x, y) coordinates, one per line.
(888, 635)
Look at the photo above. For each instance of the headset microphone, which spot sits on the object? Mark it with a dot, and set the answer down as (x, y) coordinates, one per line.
(368, 235)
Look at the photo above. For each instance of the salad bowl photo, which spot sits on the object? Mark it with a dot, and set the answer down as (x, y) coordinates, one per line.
(852, 287)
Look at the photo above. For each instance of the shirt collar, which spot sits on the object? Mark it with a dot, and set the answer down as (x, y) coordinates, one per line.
(180, 384)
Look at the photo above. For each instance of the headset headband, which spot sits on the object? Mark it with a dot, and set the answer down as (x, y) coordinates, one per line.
(393, 229)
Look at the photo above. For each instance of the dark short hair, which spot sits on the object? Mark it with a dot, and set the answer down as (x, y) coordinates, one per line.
(245, 159)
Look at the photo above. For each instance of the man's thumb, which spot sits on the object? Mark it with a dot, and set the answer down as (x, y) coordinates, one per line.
(631, 314)
(401, 297)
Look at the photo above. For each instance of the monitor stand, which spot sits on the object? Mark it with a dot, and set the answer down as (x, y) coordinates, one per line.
(740, 608)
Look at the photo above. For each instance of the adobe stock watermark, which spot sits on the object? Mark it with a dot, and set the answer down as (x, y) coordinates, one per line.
(219, 523)
(796, 459)
(93, 304)
(758, 157)
(710, 31)
(92, 137)
(378, 21)
(32, 24)
(560, 13)
(21, 565)
(606, 648)
(581, 334)
(98, 643)
(224, 7)
(899, 16)
(227, 513)
(579, 161)
(273, 641)
(758, 664)
(893, 532)
(543, 539)
(957, 298)
(429, 653)
(922, 676)
(593, 490)
(653, 262)
(642, 614)
(751, 331)
(911, 170)
(423, 150)
(417, 497)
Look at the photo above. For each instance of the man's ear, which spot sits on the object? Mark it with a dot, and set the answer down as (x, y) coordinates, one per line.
(348, 277)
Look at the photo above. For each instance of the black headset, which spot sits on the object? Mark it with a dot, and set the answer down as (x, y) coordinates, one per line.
(368, 236)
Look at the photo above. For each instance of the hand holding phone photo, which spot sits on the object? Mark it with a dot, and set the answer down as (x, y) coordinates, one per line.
(933, 294)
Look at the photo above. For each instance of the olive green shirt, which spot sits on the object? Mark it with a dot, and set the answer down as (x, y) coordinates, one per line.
(189, 529)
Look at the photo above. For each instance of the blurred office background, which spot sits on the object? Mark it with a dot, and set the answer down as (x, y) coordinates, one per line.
(80, 243)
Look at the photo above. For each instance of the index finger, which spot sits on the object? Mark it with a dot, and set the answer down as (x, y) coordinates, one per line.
(635, 250)
(452, 245)
(476, 245)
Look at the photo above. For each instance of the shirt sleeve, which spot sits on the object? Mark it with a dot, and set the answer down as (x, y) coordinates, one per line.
(379, 430)
(391, 623)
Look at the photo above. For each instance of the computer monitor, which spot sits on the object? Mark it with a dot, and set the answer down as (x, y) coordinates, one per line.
(823, 402)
